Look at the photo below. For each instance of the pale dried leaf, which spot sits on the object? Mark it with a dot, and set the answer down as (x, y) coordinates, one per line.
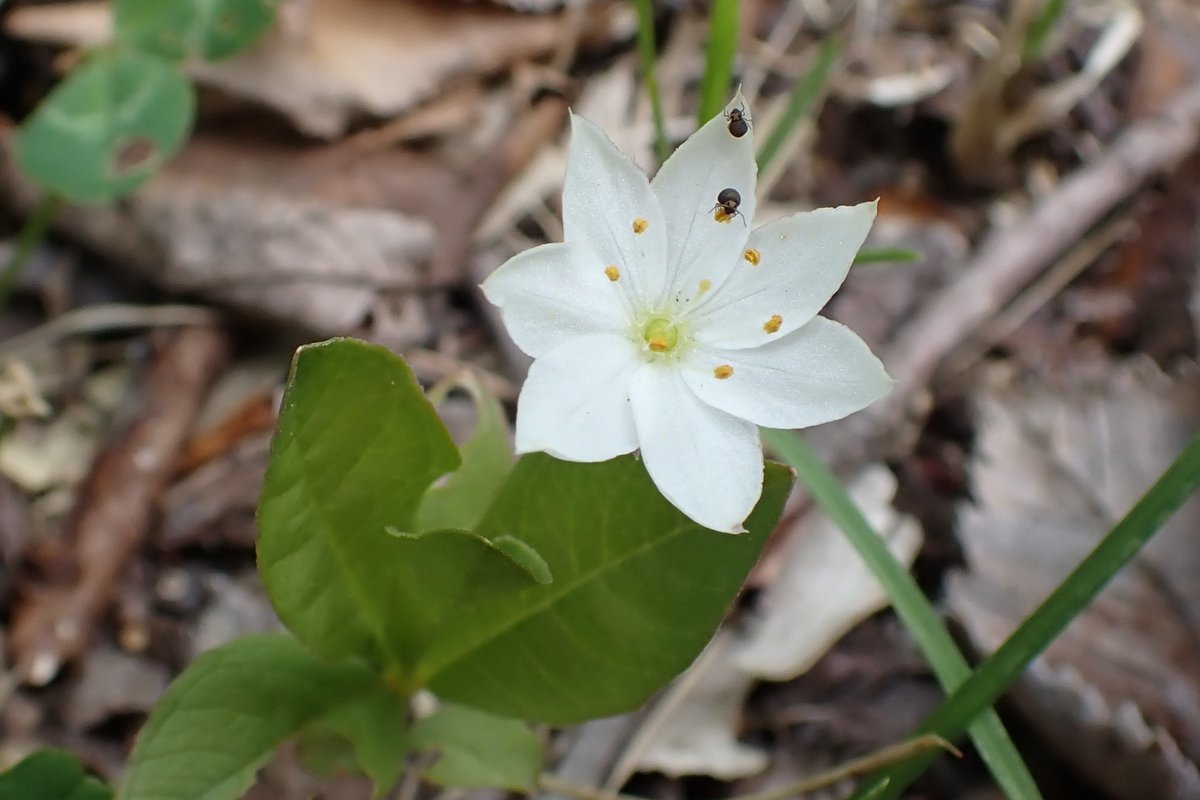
(824, 588)
(693, 729)
(822, 591)
(1118, 694)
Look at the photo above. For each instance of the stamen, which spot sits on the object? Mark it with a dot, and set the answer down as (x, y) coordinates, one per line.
(613, 273)
(753, 256)
(772, 325)
(658, 343)
(640, 225)
(722, 372)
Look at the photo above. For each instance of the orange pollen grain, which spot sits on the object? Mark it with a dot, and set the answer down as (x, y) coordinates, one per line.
(753, 256)
(720, 216)
(772, 325)
(722, 372)
(640, 225)
(658, 344)
(613, 273)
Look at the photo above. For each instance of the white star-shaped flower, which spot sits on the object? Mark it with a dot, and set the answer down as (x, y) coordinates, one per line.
(664, 323)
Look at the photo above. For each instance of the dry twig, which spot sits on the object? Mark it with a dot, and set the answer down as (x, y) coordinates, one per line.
(53, 621)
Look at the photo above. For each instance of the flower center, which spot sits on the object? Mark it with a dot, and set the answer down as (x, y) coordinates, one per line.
(661, 335)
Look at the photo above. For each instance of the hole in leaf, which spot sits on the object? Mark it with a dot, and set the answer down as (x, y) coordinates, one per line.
(133, 154)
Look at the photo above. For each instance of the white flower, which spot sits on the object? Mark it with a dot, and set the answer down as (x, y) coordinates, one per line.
(664, 323)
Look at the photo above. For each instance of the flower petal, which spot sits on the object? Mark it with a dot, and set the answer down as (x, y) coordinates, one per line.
(552, 293)
(608, 207)
(687, 185)
(817, 374)
(575, 402)
(790, 270)
(707, 463)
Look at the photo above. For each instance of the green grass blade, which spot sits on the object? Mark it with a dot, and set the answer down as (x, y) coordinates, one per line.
(897, 255)
(1118, 547)
(648, 51)
(1035, 38)
(718, 61)
(910, 605)
(803, 94)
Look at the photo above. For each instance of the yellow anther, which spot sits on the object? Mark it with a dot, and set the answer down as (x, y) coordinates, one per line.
(753, 256)
(613, 273)
(772, 325)
(705, 285)
(722, 372)
(640, 225)
(658, 344)
(720, 216)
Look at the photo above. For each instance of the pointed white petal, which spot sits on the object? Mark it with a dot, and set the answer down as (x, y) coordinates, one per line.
(802, 260)
(575, 402)
(707, 463)
(552, 293)
(817, 374)
(687, 185)
(606, 201)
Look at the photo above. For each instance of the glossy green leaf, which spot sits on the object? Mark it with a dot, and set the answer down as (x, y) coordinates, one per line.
(638, 590)
(356, 447)
(51, 775)
(368, 734)
(107, 127)
(223, 717)
(474, 749)
(460, 500)
(178, 29)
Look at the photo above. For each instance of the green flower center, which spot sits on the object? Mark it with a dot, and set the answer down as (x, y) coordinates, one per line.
(661, 335)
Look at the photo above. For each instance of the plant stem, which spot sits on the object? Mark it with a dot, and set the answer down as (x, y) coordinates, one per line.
(718, 61)
(648, 51)
(32, 233)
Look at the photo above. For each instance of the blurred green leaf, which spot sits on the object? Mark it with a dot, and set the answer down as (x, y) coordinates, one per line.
(51, 775)
(460, 499)
(886, 255)
(368, 734)
(356, 447)
(475, 749)
(107, 127)
(222, 718)
(638, 590)
(179, 29)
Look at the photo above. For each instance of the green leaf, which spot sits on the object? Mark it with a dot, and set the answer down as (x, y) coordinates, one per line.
(460, 500)
(107, 127)
(475, 749)
(211, 29)
(638, 590)
(51, 775)
(369, 733)
(356, 447)
(222, 718)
